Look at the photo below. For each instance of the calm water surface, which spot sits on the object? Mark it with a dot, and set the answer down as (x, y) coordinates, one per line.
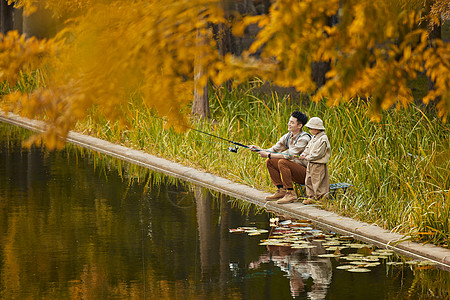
(74, 227)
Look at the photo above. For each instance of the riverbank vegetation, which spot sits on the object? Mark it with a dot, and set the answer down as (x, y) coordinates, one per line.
(399, 167)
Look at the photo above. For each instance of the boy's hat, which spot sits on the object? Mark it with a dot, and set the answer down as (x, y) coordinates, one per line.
(315, 123)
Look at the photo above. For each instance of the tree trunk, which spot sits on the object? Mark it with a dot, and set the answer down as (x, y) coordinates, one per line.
(318, 71)
(6, 12)
(200, 106)
(434, 33)
(40, 24)
(320, 68)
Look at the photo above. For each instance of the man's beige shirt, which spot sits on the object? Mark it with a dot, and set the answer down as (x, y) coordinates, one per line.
(290, 145)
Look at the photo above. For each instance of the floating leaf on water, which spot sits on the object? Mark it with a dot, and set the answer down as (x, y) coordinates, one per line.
(296, 233)
(384, 250)
(328, 255)
(352, 258)
(276, 237)
(304, 221)
(302, 246)
(413, 262)
(383, 253)
(394, 263)
(307, 228)
(359, 270)
(317, 240)
(364, 251)
(331, 244)
(335, 248)
(371, 258)
(382, 256)
(372, 264)
(354, 246)
(238, 230)
(346, 238)
(254, 233)
(358, 263)
(286, 222)
(427, 263)
(345, 267)
(247, 228)
(301, 242)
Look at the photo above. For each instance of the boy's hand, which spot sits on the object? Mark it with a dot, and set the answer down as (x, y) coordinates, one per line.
(254, 148)
(302, 156)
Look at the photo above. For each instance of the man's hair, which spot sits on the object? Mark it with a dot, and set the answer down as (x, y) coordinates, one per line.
(301, 117)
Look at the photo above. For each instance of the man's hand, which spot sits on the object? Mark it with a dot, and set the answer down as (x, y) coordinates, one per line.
(263, 154)
(254, 148)
(302, 156)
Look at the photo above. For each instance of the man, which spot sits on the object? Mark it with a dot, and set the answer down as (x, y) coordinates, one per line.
(283, 161)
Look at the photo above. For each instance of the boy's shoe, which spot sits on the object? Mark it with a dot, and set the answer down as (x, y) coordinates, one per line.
(278, 195)
(308, 201)
(290, 197)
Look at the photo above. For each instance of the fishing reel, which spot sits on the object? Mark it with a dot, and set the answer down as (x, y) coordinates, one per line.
(233, 149)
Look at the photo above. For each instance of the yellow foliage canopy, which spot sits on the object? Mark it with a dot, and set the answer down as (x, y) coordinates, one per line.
(117, 49)
(108, 50)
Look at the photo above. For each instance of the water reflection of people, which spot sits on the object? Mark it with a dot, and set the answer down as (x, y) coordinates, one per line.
(301, 265)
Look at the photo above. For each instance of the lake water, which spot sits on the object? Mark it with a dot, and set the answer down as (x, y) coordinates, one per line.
(78, 225)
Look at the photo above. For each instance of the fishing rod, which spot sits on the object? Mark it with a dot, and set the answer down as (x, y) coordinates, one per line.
(235, 149)
(231, 149)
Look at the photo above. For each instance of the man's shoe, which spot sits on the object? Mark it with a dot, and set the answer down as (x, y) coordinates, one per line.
(278, 195)
(290, 197)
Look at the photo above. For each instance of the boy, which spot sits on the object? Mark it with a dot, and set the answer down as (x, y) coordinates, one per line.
(317, 154)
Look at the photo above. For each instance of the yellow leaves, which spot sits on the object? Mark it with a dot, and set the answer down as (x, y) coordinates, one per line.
(389, 32)
(18, 53)
(112, 49)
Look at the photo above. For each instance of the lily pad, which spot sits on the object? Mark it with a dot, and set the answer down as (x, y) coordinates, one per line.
(427, 263)
(395, 263)
(413, 262)
(328, 255)
(358, 263)
(372, 264)
(302, 246)
(359, 270)
(357, 246)
(345, 267)
(371, 258)
(335, 248)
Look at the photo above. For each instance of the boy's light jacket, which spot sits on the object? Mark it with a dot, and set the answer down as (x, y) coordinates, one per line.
(318, 149)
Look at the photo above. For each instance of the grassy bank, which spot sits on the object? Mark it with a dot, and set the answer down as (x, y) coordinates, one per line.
(399, 167)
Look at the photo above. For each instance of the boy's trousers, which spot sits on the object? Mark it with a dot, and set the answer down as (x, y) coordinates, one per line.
(317, 181)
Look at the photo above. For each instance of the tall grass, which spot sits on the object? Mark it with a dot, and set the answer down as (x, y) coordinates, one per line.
(399, 167)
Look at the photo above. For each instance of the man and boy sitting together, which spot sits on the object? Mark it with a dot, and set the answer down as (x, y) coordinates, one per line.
(299, 157)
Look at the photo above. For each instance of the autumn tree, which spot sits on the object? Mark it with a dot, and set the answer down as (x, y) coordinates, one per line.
(110, 49)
